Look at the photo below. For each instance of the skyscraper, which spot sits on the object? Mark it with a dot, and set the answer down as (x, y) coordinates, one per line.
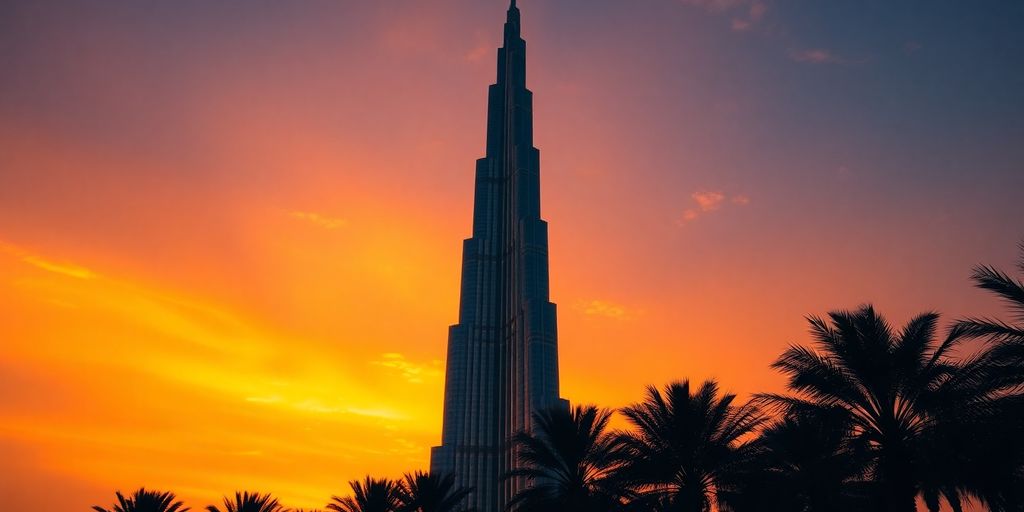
(503, 353)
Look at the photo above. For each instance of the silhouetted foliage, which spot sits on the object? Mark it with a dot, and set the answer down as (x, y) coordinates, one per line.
(430, 492)
(567, 460)
(1011, 291)
(904, 397)
(370, 495)
(249, 502)
(145, 501)
(995, 475)
(807, 462)
(687, 449)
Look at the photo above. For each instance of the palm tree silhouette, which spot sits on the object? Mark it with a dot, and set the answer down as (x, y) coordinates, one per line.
(995, 475)
(568, 459)
(686, 448)
(370, 495)
(249, 502)
(430, 492)
(805, 462)
(901, 393)
(145, 501)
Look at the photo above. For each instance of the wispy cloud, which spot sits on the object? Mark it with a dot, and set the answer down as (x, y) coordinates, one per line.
(317, 406)
(414, 373)
(478, 53)
(743, 14)
(601, 308)
(752, 17)
(320, 220)
(60, 268)
(714, 5)
(264, 399)
(386, 414)
(708, 201)
(66, 269)
(815, 56)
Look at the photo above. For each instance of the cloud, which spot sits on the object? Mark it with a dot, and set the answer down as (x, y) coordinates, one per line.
(66, 269)
(714, 5)
(601, 308)
(317, 406)
(386, 414)
(478, 53)
(320, 220)
(412, 372)
(753, 16)
(744, 13)
(709, 201)
(60, 268)
(740, 25)
(264, 399)
(815, 56)
(757, 10)
(911, 47)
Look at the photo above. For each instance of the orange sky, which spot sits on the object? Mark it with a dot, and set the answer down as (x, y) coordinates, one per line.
(229, 238)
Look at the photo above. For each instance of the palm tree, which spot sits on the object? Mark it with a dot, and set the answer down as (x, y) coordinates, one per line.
(145, 501)
(1003, 358)
(687, 448)
(370, 495)
(995, 473)
(568, 460)
(805, 462)
(902, 394)
(249, 502)
(431, 492)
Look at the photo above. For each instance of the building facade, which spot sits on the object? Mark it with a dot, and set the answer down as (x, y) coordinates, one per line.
(503, 354)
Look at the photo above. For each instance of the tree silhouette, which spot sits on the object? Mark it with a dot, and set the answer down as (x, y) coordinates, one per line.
(145, 501)
(904, 397)
(568, 460)
(686, 448)
(370, 495)
(807, 462)
(430, 492)
(249, 502)
(995, 474)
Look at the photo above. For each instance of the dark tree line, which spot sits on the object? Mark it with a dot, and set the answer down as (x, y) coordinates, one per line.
(876, 418)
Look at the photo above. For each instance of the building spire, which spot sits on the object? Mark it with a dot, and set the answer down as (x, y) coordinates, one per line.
(513, 20)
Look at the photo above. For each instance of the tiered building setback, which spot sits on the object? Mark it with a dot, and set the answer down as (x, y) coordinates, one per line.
(503, 353)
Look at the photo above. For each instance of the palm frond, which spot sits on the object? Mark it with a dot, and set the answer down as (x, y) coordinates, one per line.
(1009, 289)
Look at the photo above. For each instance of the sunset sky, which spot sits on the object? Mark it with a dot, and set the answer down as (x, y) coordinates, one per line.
(230, 231)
